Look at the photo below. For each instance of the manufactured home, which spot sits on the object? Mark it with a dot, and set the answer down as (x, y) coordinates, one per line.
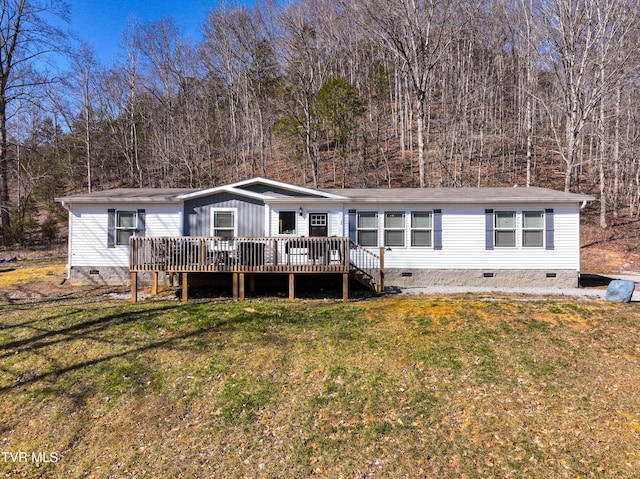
(400, 237)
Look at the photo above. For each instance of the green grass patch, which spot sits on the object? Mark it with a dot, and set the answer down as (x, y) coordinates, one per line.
(390, 387)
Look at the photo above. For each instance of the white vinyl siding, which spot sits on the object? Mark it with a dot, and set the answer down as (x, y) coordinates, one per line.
(463, 241)
(334, 219)
(88, 225)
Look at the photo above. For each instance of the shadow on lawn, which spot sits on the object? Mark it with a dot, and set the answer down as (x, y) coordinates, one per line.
(90, 331)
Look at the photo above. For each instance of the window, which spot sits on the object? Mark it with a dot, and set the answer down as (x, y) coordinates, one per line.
(318, 219)
(532, 229)
(505, 229)
(394, 228)
(287, 222)
(126, 226)
(421, 228)
(367, 228)
(224, 223)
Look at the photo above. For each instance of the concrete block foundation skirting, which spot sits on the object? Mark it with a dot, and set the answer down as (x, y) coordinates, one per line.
(109, 276)
(511, 278)
(119, 276)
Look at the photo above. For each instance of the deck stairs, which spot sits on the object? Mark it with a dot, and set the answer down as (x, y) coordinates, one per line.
(365, 267)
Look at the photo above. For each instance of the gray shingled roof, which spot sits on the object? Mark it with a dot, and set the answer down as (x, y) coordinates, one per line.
(362, 195)
(460, 195)
(129, 195)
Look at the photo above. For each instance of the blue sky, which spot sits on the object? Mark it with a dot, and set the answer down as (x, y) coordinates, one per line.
(101, 22)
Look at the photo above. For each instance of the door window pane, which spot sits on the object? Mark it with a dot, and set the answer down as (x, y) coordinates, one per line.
(319, 219)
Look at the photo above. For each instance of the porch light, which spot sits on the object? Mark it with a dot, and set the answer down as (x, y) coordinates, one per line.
(300, 211)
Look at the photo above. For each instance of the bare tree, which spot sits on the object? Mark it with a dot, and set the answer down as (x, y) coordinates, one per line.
(306, 70)
(417, 32)
(27, 37)
(80, 99)
(582, 39)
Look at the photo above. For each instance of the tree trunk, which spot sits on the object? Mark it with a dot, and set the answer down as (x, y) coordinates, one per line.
(5, 217)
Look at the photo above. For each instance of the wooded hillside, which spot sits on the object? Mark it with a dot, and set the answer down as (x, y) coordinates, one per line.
(329, 93)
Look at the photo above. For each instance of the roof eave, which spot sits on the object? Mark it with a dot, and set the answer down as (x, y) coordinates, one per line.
(103, 200)
(457, 201)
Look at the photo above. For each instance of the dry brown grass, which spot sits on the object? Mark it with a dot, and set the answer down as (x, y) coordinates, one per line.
(450, 387)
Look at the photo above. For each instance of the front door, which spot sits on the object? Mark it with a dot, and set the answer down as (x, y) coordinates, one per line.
(318, 224)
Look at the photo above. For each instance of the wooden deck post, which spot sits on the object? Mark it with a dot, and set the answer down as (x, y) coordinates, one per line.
(234, 277)
(252, 283)
(185, 287)
(292, 286)
(345, 286)
(275, 251)
(134, 287)
(154, 283)
(241, 286)
(381, 285)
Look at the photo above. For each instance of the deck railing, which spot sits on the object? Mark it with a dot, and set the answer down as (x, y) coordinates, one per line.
(240, 254)
(367, 266)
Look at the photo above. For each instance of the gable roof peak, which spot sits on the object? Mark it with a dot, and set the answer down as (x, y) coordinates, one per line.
(241, 188)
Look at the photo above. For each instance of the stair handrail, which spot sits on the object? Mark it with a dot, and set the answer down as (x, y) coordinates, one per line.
(367, 262)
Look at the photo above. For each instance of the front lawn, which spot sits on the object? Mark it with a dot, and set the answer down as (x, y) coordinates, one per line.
(451, 387)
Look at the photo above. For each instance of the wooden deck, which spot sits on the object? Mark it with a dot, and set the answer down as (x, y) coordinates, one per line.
(253, 255)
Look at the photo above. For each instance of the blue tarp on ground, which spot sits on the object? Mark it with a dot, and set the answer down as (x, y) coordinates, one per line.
(620, 291)
(8, 260)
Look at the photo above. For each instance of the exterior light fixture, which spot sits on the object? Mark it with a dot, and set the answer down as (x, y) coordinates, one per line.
(300, 211)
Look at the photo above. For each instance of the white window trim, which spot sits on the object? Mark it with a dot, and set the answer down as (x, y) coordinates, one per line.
(359, 229)
(403, 229)
(542, 229)
(295, 231)
(520, 229)
(117, 228)
(496, 229)
(224, 210)
(412, 229)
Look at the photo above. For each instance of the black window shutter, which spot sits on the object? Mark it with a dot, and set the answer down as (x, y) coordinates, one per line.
(111, 228)
(140, 230)
(437, 229)
(549, 228)
(488, 220)
(352, 225)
